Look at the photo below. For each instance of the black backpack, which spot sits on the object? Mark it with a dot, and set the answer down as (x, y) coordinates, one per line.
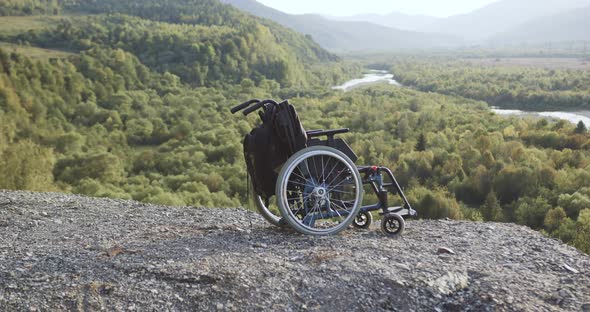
(268, 146)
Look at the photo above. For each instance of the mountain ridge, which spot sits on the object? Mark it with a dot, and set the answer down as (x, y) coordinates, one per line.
(500, 16)
(566, 26)
(394, 19)
(347, 36)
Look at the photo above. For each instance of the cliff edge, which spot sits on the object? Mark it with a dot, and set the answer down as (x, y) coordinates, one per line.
(69, 252)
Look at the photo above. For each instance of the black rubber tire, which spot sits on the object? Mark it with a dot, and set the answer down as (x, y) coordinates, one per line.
(393, 224)
(283, 181)
(273, 215)
(363, 220)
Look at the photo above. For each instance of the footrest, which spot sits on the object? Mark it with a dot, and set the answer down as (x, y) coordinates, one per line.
(395, 210)
(404, 212)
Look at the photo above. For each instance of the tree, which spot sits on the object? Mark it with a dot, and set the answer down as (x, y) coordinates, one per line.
(27, 166)
(554, 218)
(566, 230)
(491, 209)
(403, 129)
(103, 167)
(580, 128)
(414, 105)
(139, 131)
(435, 204)
(532, 212)
(421, 145)
(513, 182)
(576, 202)
(69, 143)
(582, 240)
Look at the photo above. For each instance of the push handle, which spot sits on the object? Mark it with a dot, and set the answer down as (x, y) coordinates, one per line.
(258, 106)
(244, 105)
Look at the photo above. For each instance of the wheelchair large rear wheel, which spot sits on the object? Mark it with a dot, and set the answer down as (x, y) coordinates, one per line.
(319, 191)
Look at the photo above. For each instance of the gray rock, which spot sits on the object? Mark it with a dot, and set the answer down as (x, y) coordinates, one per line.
(443, 250)
(201, 259)
(450, 282)
(569, 268)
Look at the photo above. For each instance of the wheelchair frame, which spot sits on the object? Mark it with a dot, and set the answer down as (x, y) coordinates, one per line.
(393, 217)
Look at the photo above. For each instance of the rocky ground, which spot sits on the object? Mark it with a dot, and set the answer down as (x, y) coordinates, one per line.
(64, 252)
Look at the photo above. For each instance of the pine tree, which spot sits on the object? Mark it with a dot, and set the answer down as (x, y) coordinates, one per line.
(421, 145)
(581, 128)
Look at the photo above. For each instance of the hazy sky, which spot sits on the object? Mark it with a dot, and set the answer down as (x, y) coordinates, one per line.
(441, 8)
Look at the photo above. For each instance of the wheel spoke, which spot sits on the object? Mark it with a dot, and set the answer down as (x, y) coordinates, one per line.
(316, 196)
(339, 191)
(300, 176)
(296, 183)
(329, 159)
(323, 173)
(337, 185)
(302, 207)
(315, 171)
(336, 210)
(332, 170)
(341, 207)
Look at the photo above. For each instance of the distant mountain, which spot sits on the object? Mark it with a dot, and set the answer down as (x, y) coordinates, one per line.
(347, 35)
(573, 25)
(394, 20)
(501, 16)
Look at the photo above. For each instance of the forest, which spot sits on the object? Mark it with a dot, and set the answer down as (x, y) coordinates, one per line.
(138, 108)
(518, 87)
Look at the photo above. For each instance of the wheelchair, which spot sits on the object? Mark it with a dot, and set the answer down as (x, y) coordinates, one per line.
(318, 189)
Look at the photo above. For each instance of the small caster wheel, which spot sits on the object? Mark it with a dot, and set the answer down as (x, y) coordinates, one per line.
(363, 220)
(393, 224)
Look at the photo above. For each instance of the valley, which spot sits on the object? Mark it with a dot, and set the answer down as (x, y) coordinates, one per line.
(130, 100)
(535, 62)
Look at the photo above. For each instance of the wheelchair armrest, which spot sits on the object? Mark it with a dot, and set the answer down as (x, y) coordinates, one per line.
(329, 133)
(313, 131)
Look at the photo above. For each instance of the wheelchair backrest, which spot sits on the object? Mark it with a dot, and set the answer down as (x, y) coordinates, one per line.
(268, 146)
(289, 128)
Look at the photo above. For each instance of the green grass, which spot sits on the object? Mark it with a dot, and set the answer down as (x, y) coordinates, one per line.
(14, 25)
(34, 52)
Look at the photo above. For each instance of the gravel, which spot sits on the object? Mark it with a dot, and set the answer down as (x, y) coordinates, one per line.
(67, 252)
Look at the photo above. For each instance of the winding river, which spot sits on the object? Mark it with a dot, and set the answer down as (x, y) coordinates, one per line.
(573, 117)
(375, 76)
(372, 77)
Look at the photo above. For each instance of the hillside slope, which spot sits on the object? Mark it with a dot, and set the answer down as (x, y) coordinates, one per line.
(204, 42)
(501, 16)
(563, 27)
(347, 35)
(201, 12)
(393, 19)
(61, 252)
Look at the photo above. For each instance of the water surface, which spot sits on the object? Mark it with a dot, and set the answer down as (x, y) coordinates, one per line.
(573, 117)
(375, 76)
(372, 77)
